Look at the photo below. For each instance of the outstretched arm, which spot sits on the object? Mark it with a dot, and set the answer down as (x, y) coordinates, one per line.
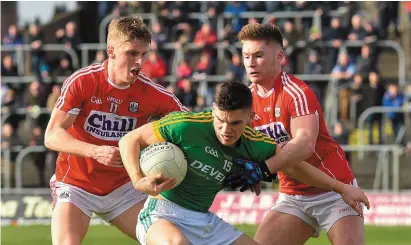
(310, 175)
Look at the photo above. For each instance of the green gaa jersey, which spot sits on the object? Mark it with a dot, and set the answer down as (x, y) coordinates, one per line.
(209, 162)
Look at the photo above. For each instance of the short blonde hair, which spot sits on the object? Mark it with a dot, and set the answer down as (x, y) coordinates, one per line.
(127, 29)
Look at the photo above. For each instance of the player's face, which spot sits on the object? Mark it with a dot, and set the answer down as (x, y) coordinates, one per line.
(262, 60)
(230, 125)
(128, 59)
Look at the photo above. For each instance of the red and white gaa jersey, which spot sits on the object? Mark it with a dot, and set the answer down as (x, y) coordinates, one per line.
(291, 98)
(106, 112)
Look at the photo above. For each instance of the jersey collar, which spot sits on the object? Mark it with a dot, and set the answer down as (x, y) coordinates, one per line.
(108, 79)
(277, 86)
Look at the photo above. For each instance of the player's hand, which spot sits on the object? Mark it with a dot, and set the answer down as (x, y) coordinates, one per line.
(250, 174)
(107, 155)
(253, 188)
(354, 196)
(154, 185)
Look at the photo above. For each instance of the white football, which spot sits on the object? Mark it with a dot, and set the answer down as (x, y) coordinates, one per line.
(165, 158)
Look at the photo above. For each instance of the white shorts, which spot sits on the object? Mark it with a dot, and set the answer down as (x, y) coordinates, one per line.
(106, 207)
(199, 228)
(319, 211)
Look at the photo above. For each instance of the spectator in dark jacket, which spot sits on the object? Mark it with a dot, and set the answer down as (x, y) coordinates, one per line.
(8, 69)
(236, 69)
(395, 99)
(358, 94)
(37, 54)
(374, 91)
(314, 67)
(13, 37)
(336, 34)
(357, 33)
(365, 64)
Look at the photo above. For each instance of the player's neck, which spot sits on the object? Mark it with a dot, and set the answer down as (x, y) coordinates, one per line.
(265, 86)
(112, 76)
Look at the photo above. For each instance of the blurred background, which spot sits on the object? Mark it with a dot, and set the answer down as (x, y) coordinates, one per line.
(356, 56)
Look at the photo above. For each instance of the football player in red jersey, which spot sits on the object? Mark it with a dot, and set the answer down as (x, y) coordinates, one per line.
(287, 110)
(97, 106)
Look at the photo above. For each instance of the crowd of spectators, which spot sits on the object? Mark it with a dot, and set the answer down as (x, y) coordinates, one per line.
(356, 69)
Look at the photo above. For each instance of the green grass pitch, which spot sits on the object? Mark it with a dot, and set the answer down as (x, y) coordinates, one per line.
(106, 235)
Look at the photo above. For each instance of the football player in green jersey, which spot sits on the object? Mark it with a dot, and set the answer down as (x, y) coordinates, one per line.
(211, 141)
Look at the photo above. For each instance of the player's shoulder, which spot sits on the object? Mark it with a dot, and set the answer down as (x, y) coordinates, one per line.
(85, 78)
(295, 87)
(254, 136)
(185, 116)
(290, 80)
(87, 72)
(151, 87)
(189, 123)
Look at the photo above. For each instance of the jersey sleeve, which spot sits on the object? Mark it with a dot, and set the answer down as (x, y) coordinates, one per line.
(168, 102)
(72, 96)
(171, 128)
(301, 100)
(171, 103)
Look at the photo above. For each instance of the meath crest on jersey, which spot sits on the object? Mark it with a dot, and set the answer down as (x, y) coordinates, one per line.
(133, 107)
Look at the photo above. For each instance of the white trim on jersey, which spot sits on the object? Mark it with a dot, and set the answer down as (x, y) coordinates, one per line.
(116, 86)
(266, 95)
(85, 71)
(66, 82)
(161, 89)
(301, 91)
(74, 111)
(68, 169)
(286, 84)
(323, 164)
(291, 88)
(289, 92)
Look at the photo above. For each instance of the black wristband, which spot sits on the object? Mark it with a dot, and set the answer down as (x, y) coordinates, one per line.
(267, 175)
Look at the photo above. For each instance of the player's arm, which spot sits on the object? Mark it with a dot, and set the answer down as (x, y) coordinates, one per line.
(63, 116)
(130, 147)
(57, 138)
(310, 175)
(304, 131)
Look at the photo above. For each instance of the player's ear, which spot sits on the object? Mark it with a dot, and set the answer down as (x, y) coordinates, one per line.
(280, 55)
(110, 52)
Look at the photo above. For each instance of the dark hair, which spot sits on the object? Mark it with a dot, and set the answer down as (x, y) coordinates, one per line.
(233, 96)
(257, 31)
